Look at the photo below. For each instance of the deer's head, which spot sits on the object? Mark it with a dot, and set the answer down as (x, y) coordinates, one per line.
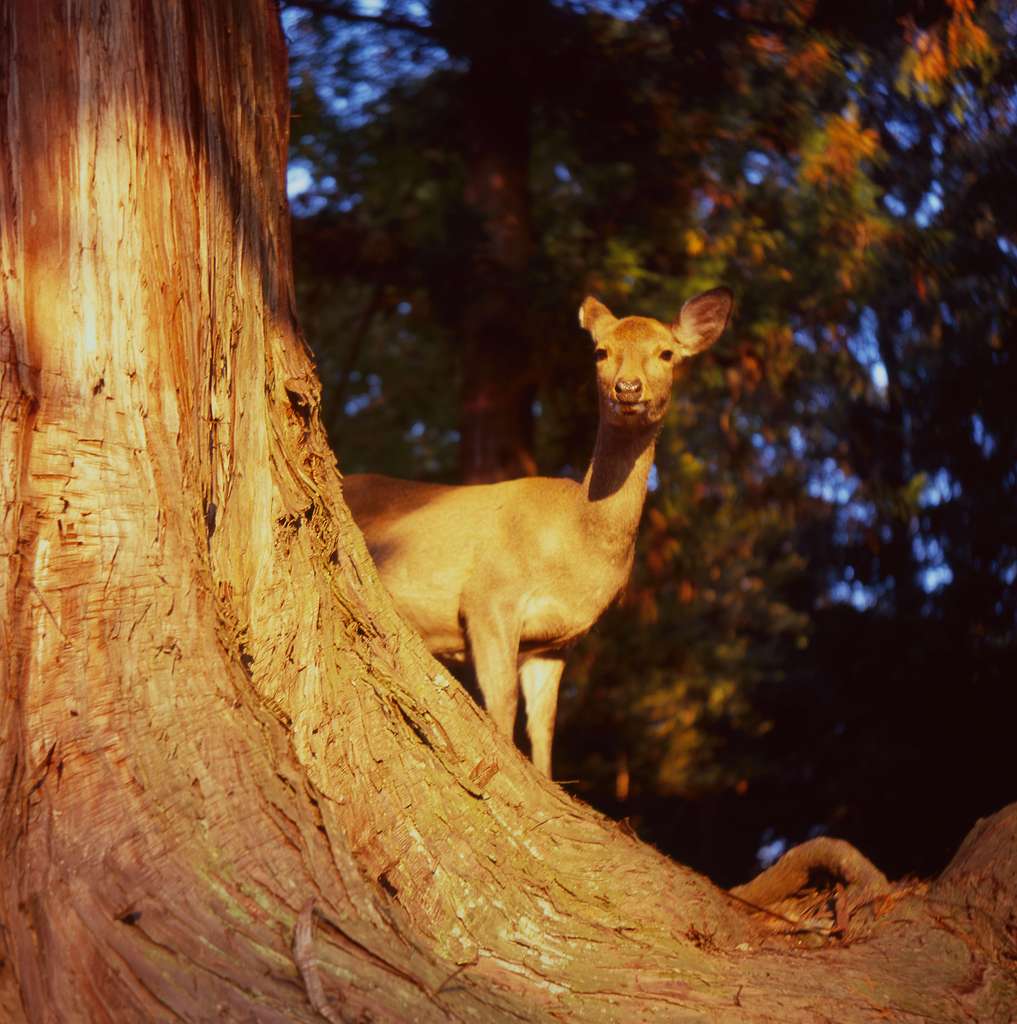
(636, 355)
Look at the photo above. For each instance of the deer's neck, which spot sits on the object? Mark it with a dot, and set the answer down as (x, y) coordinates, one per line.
(614, 488)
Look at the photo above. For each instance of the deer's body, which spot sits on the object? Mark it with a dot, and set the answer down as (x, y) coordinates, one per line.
(507, 575)
(436, 571)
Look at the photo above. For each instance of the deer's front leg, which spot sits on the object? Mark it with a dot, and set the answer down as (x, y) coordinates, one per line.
(540, 678)
(493, 634)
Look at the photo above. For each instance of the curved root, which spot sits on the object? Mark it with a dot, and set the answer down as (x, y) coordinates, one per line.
(820, 877)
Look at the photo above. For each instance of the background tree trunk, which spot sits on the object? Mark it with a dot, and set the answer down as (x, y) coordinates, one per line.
(499, 382)
(235, 787)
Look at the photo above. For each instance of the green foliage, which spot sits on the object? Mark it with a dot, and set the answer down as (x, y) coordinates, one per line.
(823, 600)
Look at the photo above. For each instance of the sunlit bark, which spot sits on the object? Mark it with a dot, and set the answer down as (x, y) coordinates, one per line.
(234, 786)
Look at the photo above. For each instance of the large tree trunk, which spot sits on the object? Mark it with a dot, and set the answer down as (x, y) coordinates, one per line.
(235, 788)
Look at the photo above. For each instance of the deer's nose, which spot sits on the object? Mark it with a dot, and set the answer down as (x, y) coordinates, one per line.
(628, 390)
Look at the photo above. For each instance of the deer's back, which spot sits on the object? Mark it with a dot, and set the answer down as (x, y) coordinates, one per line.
(519, 545)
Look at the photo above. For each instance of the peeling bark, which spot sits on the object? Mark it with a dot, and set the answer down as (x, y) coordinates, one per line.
(235, 787)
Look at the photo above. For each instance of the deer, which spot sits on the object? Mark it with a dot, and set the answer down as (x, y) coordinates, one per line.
(508, 575)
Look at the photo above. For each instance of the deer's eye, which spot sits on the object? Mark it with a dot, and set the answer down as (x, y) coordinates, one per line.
(667, 355)
(600, 354)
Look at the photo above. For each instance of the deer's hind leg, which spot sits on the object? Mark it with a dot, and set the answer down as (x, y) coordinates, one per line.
(540, 677)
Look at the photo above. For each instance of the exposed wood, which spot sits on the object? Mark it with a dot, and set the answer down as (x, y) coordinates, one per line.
(211, 719)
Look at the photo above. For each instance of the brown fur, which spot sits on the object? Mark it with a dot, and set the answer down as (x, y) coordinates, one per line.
(507, 575)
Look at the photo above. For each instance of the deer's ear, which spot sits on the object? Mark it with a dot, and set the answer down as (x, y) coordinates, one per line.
(702, 321)
(594, 316)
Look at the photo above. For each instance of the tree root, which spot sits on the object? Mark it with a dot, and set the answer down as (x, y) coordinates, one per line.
(815, 887)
